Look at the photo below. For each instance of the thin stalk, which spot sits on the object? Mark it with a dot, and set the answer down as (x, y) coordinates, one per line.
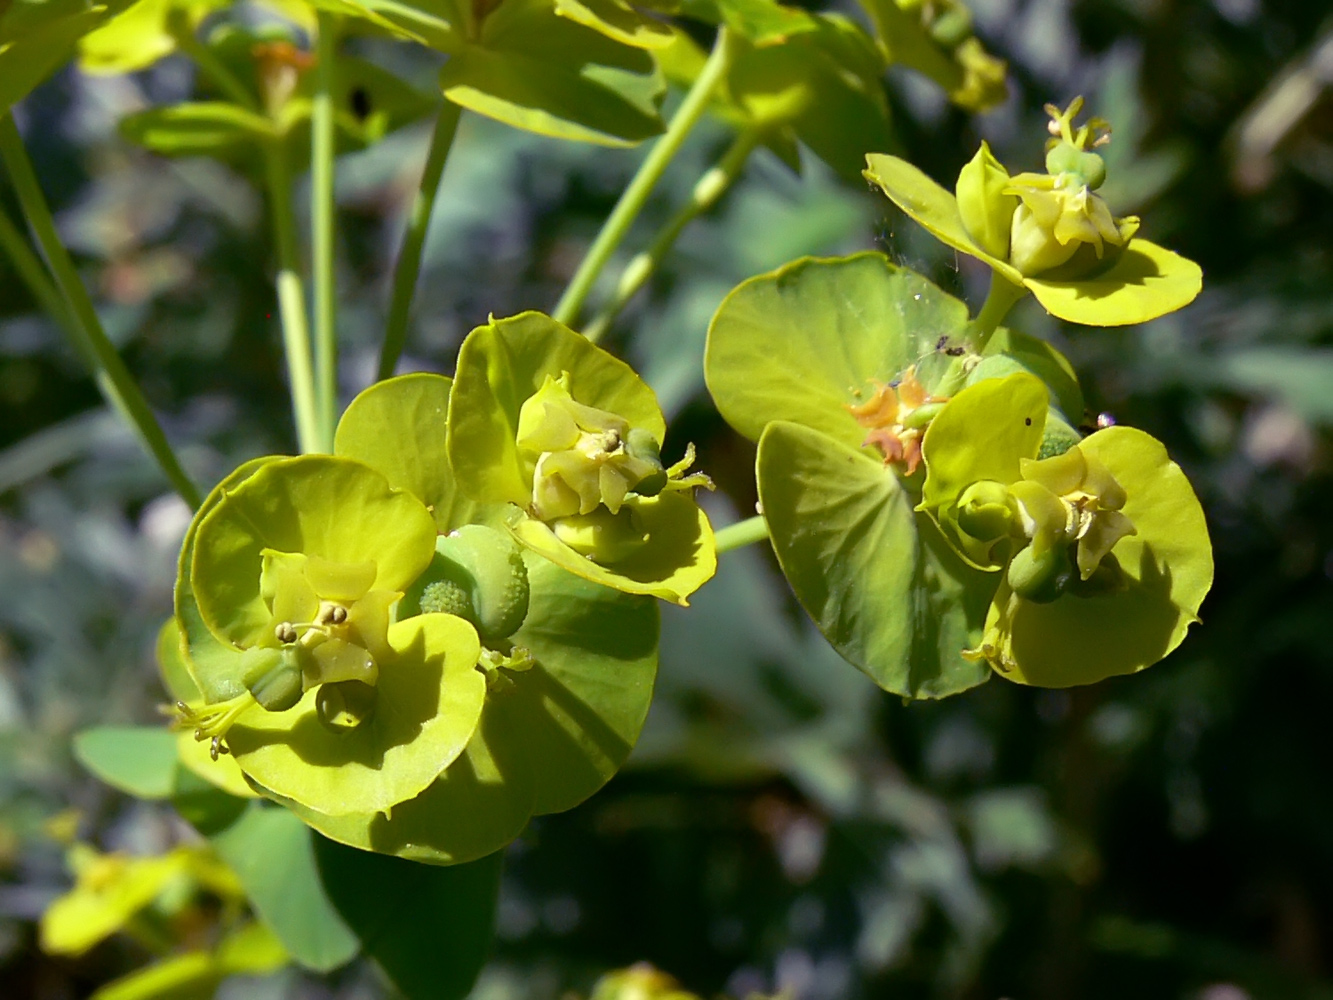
(33, 273)
(408, 267)
(291, 299)
(650, 171)
(213, 67)
(1000, 298)
(323, 212)
(747, 532)
(711, 186)
(80, 318)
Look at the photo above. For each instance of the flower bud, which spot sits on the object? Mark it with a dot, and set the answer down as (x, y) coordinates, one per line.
(986, 206)
(984, 511)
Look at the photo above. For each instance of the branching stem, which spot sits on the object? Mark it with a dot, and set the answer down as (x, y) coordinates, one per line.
(747, 532)
(408, 267)
(323, 212)
(291, 298)
(1000, 299)
(641, 186)
(711, 186)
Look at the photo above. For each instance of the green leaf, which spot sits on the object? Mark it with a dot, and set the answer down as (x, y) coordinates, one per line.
(430, 929)
(930, 205)
(140, 35)
(971, 77)
(878, 581)
(138, 760)
(397, 427)
(503, 363)
(427, 704)
(200, 128)
(1036, 356)
(538, 71)
(36, 39)
(273, 854)
(577, 714)
(317, 505)
(437, 23)
(761, 22)
(250, 950)
(678, 557)
(823, 85)
(982, 434)
(1167, 568)
(212, 665)
(618, 21)
(1145, 282)
(799, 344)
(548, 738)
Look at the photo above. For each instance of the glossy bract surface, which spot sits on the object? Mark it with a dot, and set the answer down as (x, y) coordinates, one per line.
(570, 436)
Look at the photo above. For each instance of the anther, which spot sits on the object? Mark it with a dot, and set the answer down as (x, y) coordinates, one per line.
(337, 614)
(285, 633)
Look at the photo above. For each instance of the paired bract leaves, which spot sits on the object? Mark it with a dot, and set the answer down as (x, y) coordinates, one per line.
(878, 581)
(427, 703)
(548, 736)
(1140, 284)
(1157, 576)
(506, 363)
(788, 354)
(1167, 569)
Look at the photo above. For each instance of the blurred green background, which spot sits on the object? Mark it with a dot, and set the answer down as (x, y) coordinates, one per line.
(783, 824)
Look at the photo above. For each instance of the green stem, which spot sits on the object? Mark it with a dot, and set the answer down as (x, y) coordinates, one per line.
(291, 298)
(1000, 299)
(322, 229)
(747, 532)
(409, 257)
(33, 274)
(80, 318)
(650, 171)
(225, 80)
(711, 186)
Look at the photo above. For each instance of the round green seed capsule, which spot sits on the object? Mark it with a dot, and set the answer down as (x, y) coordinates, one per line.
(1041, 579)
(477, 574)
(1063, 158)
(274, 677)
(1092, 168)
(344, 705)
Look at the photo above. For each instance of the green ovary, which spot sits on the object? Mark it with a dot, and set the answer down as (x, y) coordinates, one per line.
(583, 457)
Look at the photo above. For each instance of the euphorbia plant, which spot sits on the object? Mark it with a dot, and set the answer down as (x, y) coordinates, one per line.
(439, 620)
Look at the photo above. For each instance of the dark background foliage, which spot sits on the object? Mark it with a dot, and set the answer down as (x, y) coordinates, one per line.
(783, 824)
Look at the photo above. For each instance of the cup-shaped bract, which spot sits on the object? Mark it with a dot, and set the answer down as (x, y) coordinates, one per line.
(293, 574)
(980, 437)
(802, 360)
(1063, 244)
(557, 722)
(569, 435)
(1104, 546)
